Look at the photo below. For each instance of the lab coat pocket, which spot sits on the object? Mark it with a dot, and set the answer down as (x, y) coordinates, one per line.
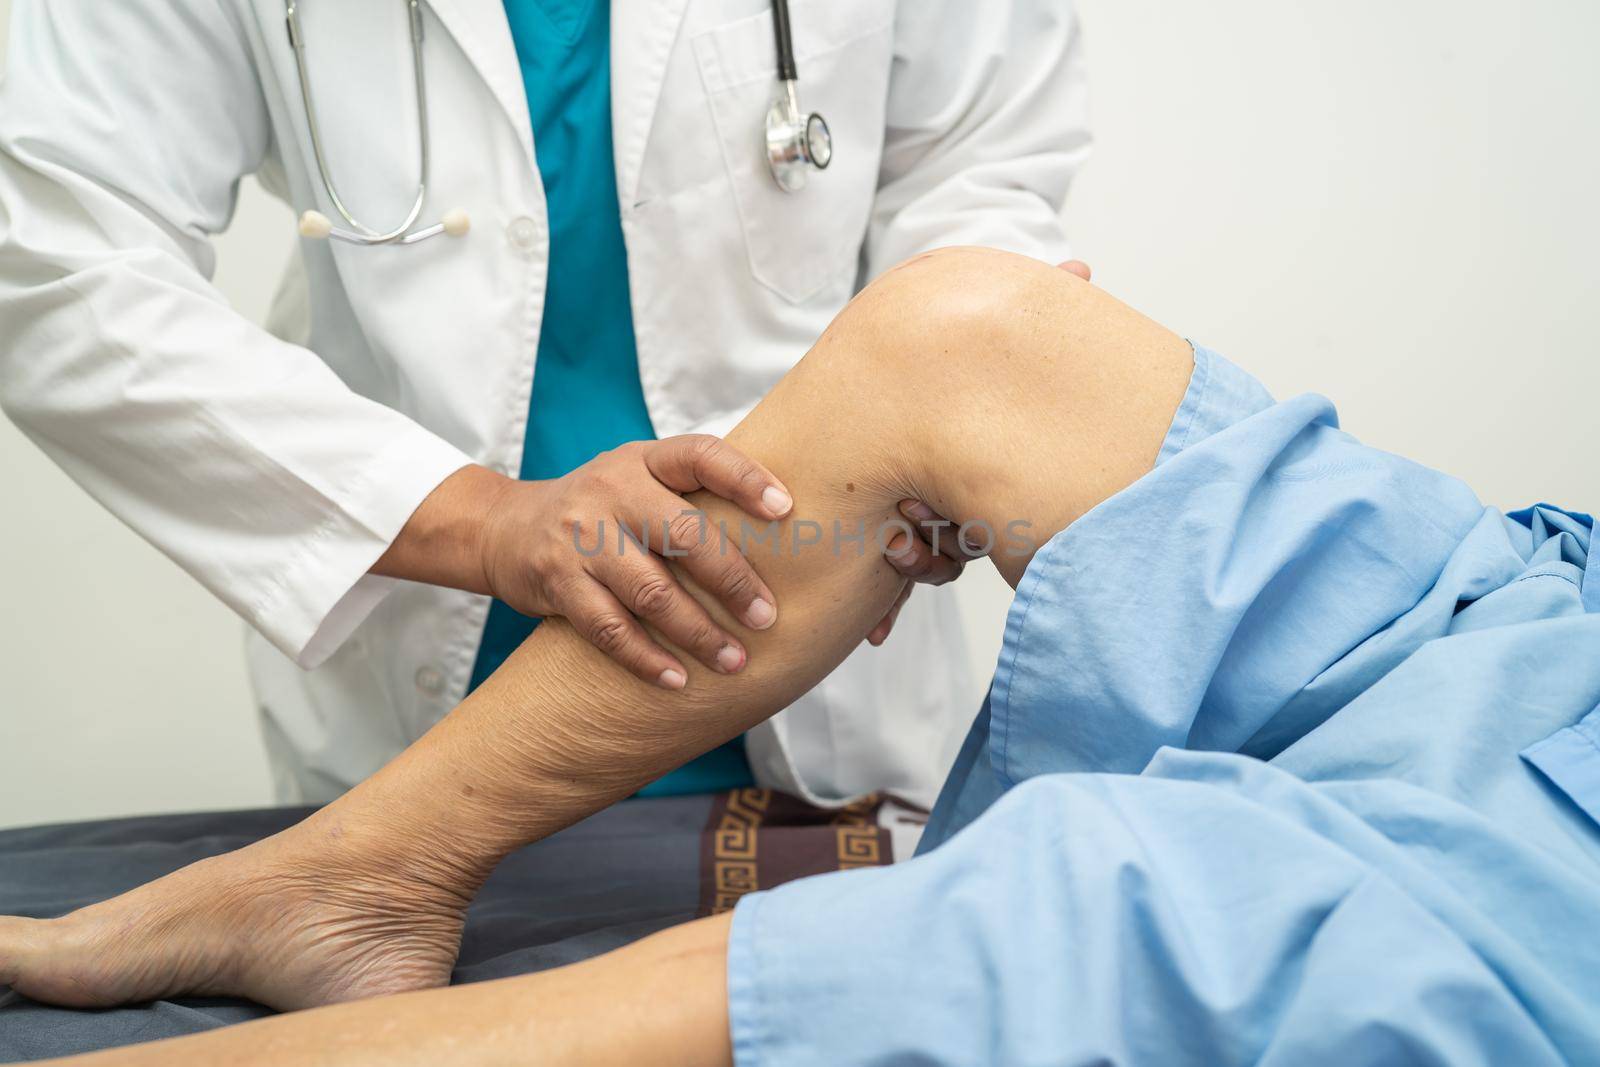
(798, 243)
(1570, 759)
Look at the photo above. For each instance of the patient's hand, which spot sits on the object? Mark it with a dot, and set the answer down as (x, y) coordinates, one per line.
(326, 911)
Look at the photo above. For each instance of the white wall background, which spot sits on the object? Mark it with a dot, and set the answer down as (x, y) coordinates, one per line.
(1389, 201)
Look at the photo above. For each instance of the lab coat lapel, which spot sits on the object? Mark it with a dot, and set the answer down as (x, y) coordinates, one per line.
(480, 29)
(642, 35)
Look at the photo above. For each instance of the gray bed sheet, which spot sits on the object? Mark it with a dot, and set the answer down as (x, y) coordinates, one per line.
(620, 875)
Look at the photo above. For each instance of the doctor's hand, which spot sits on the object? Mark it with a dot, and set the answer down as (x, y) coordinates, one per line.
(533, 545)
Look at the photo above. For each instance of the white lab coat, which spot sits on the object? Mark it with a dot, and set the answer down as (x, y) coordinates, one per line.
(276, 464)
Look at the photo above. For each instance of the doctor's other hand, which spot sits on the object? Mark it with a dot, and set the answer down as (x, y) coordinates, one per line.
(534, 545)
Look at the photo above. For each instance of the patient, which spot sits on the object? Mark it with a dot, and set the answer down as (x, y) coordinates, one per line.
(1286, 758)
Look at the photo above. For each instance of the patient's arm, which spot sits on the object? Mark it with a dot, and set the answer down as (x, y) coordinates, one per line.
(997, 389)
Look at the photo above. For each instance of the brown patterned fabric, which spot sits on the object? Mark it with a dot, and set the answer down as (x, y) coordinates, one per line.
(760, 838)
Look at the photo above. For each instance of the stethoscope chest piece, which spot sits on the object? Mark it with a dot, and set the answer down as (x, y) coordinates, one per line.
(795, 141)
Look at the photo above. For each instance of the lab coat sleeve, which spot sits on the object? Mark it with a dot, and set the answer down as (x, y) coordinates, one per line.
(1119, 919)
(987, 124)
(124, 132)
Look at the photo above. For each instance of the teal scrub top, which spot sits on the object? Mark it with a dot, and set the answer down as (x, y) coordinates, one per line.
(586, 397)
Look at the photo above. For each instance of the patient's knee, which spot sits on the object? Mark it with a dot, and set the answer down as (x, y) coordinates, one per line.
(949, 308)
(957, 290)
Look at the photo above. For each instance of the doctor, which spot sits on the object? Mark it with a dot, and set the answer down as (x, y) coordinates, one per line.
(544, 240)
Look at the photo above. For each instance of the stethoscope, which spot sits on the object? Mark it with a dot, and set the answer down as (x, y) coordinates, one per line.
(795, 142)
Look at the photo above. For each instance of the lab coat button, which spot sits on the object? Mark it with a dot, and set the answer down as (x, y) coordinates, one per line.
(523, 233)
(430, 680)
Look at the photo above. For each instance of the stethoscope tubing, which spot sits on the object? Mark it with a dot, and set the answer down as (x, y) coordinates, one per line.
(787, 71)
(364, 234)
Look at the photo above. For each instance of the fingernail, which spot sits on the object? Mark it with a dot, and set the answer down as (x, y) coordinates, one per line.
(671, 679)
(919, 511)
(730, 659)
(902, 553)
(776, 501)
(760, 614)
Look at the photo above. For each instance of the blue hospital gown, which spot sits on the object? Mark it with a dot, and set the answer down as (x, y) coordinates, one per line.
(1290, 757)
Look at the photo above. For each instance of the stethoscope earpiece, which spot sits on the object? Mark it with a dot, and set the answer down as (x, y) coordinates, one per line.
(455, 222)
(316, 226)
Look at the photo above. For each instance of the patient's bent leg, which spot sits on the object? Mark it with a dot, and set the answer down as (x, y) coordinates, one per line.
(998, 389)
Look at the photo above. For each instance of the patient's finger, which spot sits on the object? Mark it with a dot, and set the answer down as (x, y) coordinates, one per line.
(646, 587)
(599, 616)
(941, 534)
(701, 461)
(880, 632)
(916, 559)
(1076, 266)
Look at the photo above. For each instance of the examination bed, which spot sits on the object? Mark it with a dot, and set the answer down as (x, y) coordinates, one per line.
(626, 872)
